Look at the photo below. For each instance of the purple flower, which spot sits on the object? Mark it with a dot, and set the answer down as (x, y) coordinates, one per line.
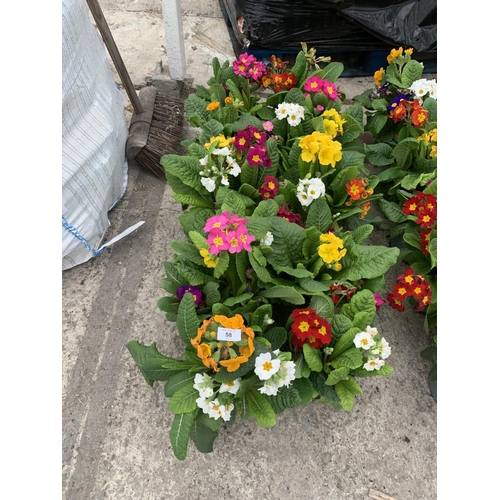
(194, 291)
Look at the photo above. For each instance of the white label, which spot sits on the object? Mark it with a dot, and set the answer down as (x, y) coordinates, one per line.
(228, 334)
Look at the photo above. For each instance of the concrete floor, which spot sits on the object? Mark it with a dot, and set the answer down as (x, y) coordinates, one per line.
(115, 428)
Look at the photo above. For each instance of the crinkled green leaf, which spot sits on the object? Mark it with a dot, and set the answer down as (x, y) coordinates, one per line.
(184, 400)
(149, 361)
(313, 358)
(287, 243)
(392, 211)
(361, 233)
(179, 433)
(412, 71)
(187, 320)
(368, 262)
(337, 375)
(286, 293)
(346, 341)
(352, 358)
(379, 154)
(260, 409)
(203, 437)
(319, 215)
(176, 382)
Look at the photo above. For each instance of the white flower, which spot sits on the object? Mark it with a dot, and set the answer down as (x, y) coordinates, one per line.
(371, 330)
(217, 410)
(305, 199)
(224, 181)
(295, 114)
(268, 239)
(265, 366)
(374, 364)
(204, 404)
(385, 349)
(222, 151)
(420, 87)
(363, 340)
(433, 88)
(231, 387)
(234, 169)
(204, 160)
(289, 368)
(204, 385)
(282, 111)
(208, 183)
(316, 188)
(269, 389)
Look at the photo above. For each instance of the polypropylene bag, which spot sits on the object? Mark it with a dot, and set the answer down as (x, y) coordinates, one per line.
(94, 133)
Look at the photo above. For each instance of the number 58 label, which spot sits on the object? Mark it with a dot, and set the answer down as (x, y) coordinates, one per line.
(228, 334)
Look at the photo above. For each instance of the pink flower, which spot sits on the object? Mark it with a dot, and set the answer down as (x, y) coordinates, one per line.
(379, 301)
(217, 241)
(217, 222)
(314, 84)
(330, 90)
(320, 108)
(268, 126)
(244, 238)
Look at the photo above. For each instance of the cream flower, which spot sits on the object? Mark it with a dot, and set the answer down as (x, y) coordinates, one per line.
(208, 183)
(231, 387)
(363, 340)
(374, 364)
(265, 366)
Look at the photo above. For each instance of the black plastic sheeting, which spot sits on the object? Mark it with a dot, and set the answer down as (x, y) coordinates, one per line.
(361, 25)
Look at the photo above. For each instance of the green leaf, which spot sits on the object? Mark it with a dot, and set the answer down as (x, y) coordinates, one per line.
(286, 293)
(260, 409)
(376, 122)
(195, 106)
(222, 264)
(430, 104)
(187, 319)
(403, 152)
(188, 251)
(310, 285)
(305, 390)
(184, 400)
(299, 69)
(277, 336)
(313, 358)
(179, 433)
(174, 279)
(323, 305)
(361, 233)
(379, 154)
(176, 382)
(392, 211)
(318, 382)
(186, 168)
(287, 397)
(202, 436)
(231, 301)
(149, 361)
(352, 359)
(351, 158)
(412, 71)
(337, 375)
(368, 262)
(345, 395)
(332, 71)
(345, 342)
(287, 243)
(319, 215)
(192, 200)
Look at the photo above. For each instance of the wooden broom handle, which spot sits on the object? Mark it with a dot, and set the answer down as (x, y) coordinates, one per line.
(115, 54)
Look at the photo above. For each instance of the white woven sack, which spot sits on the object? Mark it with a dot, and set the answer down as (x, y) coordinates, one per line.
(94, 133)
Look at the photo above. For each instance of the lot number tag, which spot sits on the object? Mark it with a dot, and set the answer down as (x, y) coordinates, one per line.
(228, 334)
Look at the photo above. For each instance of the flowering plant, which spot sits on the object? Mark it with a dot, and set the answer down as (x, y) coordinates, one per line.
(240, 365)
(265, 128)
(401, 115)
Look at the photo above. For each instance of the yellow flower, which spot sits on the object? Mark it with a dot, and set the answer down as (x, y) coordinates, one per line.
(394, 53)
(331, 238)
(208, 259)
(223, 141)
(377, 76)
(331, 127)
(337, 266)
(213, 105)
(330, 253)
(331, 154)
(433, 152)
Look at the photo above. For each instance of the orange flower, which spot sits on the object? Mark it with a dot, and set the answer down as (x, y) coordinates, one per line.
(228, 100)
(213, 105)
(377, 77)
(394, 53)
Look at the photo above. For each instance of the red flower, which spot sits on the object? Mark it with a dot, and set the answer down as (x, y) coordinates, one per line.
(419, 117)
(355, 188)
(311, 328)
(290, 216)
(270, 187)
(425, 237)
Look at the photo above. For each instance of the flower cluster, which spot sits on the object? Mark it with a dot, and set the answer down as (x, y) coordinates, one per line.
(317, 85)
(309, 190)
(214, 351)
(374, 347)
(407, 285)
(270, 187)
(429, 139)
(423, 207)
(294, 113)
(290, 216)
(208, 399)
(228, 232)
(423, 87)
(331, 250)
(400, 109)
(218, 164)
(252, 141)
(356, 189)
(308, 327)
(249, 67)
(278, 77)
(321, 146)
(275, 370)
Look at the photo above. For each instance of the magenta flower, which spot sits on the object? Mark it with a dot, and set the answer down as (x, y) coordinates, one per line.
(330, 90)
(259, 137)
(379, 301)
(194, 291)
(257, 155)
(217, 241)
(218, 222)
(314, 84)
(257, 70)
(242, 140)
